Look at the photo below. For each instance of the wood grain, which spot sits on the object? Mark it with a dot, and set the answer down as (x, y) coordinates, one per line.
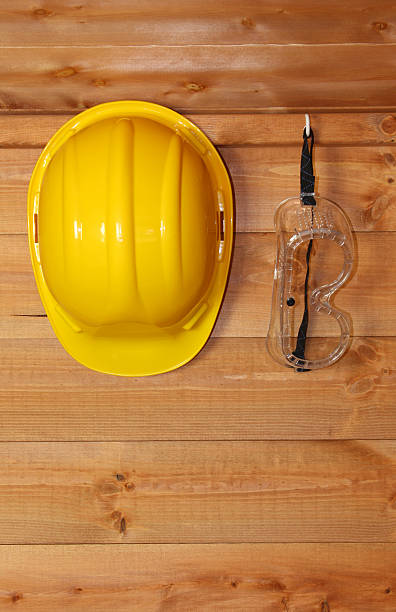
(146, 22)
(193, 77)
(361, 179)
(198, 492)
(160, 480)
(369, 296)
(229, 129)
(246, 309)
(254, 577)
(231, 390)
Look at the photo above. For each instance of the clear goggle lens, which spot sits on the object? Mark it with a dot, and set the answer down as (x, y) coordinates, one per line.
(315, 253)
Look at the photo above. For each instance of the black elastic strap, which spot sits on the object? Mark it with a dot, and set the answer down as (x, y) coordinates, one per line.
(299, 351)
(307, 182)
(307, 178)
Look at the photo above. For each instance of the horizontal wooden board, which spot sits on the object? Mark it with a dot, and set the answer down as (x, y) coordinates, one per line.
(254, 577)
(231, 390)
(193, 77)
(369, 297)
(228, 129)
(197, 492)
(146, 22)
(361, 179)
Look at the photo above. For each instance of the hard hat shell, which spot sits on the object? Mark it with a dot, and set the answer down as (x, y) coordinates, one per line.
(130, 218)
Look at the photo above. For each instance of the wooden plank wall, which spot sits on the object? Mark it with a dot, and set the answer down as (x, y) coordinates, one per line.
(231, 483)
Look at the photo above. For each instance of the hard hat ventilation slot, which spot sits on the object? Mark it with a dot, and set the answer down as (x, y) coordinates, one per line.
(35, 227)
(220, 224)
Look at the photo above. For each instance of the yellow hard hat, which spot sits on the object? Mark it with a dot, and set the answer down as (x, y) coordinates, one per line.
(130, 217)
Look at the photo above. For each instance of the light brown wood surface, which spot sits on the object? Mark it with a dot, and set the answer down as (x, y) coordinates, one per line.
(231, 390)
(361, 179)
(232, 483)
(271, 577)
(198, 492)
(247, 305)
(225, 22)
(187, 77)
(25, 130)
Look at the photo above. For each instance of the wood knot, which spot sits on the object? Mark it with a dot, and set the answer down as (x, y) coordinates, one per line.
(360, 386)
(392, 502)
(248, 22)
(195, 87)
(77, 590)
(234, 583)
(168, 590)
(271, 585)
(119, 521)
(16, 597)
(376, 210)
(129, 486)
(120, 477)
(388, 124)
(388, 590)
(42, 12)
(379, 26)
(108, 489)
(285, 605)
(99, 83)
(65, 72)
(275, 585)
(367, 353)
(390, 159)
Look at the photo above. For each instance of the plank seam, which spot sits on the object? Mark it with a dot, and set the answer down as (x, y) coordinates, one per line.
(259, 110)
(206, 45)
(204, 543)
